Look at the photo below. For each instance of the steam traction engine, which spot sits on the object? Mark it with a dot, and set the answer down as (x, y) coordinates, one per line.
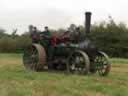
(81, 58)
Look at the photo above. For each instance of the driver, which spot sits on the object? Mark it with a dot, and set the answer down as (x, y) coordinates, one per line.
(46, 33)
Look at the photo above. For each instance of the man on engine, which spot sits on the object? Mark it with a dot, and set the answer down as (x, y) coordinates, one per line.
(34, 34)
(46, 33)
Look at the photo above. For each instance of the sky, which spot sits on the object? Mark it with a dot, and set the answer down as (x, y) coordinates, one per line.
(58, 13)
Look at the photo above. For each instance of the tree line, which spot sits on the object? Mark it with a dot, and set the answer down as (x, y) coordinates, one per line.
(107, 36)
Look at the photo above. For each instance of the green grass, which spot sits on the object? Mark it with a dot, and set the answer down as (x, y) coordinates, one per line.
(119, 61)
(15, 80)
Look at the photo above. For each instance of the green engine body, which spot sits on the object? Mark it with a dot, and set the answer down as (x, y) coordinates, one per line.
(60, 50)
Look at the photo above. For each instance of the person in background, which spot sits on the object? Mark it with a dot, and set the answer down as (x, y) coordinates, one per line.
(30, 28)
(78, 35)
(34, 34)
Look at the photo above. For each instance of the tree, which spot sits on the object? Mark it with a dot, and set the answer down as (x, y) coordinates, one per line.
(2, 32)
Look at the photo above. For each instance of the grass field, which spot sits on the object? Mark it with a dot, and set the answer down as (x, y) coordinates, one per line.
(16, 81)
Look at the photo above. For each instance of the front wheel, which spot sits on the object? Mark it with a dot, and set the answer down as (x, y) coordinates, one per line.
(102, 63)
(78, 62)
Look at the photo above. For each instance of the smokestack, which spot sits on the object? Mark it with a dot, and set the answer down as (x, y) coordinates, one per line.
(88, 22)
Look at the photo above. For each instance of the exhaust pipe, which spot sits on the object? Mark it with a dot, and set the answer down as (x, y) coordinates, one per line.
(87, 23)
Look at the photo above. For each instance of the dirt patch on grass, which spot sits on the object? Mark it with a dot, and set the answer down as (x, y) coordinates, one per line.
(10, 62)
(120, 65)
(91, 93)
(119, 68)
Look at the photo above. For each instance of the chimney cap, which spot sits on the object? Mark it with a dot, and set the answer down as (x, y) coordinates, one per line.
(88, 12)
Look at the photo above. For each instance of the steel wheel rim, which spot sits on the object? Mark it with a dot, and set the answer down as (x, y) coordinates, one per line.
(102, 64)
(78, 63)
(34, 57)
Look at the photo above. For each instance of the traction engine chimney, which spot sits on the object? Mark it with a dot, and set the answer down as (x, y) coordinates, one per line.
(87, 22)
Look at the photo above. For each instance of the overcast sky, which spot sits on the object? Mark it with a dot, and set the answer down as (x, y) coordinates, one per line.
(58, 13)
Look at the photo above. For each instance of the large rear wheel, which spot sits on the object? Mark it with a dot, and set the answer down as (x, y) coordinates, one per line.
(78, 62)
(34, 57)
